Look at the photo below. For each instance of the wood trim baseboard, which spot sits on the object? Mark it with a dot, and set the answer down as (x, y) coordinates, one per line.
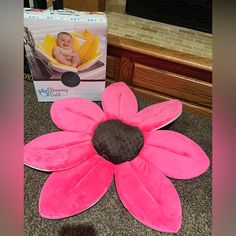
(160, 52)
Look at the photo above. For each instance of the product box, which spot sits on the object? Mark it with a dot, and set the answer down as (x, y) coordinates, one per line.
(66, 52)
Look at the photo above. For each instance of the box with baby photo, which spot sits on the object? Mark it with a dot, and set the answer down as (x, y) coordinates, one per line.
(66, 52)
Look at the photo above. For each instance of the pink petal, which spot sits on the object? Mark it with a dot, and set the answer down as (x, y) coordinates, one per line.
(58, 150)
(76, 114)
(174, 154)
(72, 191)
(148, 195)
(118, 101)
(157, 115)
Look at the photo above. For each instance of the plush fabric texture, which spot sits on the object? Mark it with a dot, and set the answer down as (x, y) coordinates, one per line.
(157, 202)
(68, 192)
(117, 142)
(81, 176)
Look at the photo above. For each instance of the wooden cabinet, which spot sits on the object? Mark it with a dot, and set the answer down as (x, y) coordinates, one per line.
(85, 5)
(172, 84)
(160, 73)
(113, 67)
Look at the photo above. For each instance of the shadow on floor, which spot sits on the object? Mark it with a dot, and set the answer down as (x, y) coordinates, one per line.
(77, 230)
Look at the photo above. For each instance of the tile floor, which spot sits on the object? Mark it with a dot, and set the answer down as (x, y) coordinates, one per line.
(160, 34)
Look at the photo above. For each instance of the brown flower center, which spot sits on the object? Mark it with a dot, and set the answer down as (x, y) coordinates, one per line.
(117, 142)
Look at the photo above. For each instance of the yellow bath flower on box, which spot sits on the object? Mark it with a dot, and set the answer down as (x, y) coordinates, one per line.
(88, 52)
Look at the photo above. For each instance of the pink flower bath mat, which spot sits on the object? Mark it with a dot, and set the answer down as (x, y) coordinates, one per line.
(120, 142)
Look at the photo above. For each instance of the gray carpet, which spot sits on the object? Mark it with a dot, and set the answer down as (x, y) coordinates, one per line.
(108, 216)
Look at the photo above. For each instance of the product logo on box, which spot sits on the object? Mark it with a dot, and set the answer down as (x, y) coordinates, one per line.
(51, 92)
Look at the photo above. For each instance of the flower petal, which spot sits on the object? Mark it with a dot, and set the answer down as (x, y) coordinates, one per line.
(72, 191)
(76, 114)
(58, 150)
(174, 154)
(157, 115)
(148, 195)
(118, 101)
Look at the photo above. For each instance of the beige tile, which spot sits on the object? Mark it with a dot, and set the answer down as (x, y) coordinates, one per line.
(160, 36)
(130, 26)
(207, 47)
(151, 41)
(149, 29)
(158, 33)
(133, 37)
(187, 31)
(145, 36)
(207, 36)
(130, 36)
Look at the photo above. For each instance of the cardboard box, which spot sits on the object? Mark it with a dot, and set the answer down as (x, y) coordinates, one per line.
(77, 68)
